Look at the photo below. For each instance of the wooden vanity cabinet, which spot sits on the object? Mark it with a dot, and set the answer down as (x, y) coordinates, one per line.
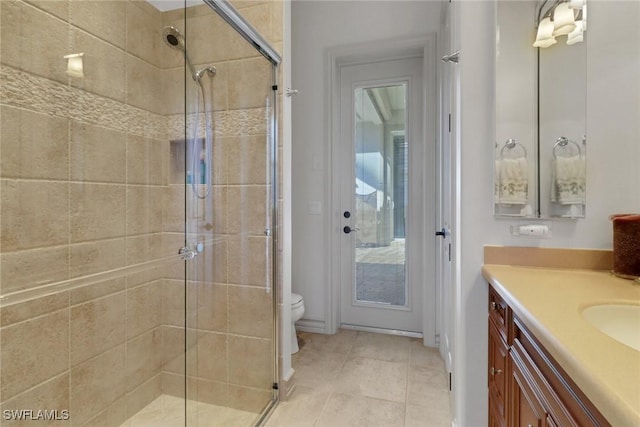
(527, 388)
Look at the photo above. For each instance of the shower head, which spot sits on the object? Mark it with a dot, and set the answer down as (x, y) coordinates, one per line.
(173, 38)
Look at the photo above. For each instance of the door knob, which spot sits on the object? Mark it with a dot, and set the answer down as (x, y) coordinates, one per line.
(348, 229)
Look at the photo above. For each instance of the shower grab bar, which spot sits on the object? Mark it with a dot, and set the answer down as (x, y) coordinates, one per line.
(245, 29)
(563, 142)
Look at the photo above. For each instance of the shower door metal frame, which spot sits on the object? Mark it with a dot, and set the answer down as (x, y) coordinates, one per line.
(227, 12)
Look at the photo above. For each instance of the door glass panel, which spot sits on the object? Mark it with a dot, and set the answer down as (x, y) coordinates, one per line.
(381, 197)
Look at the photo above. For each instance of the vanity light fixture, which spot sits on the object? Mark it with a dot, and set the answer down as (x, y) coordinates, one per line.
(562, 17)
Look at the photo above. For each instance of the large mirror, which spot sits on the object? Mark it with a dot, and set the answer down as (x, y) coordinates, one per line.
(540, 147)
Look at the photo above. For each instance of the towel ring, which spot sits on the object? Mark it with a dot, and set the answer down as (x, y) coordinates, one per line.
(563, 142)
(511, 144)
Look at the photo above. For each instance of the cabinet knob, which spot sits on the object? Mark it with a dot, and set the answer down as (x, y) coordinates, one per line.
(493, 305)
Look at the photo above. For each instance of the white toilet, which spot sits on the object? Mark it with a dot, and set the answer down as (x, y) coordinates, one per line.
(297, 311)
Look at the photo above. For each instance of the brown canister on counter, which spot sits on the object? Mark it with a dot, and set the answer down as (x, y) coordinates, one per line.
(626, 245)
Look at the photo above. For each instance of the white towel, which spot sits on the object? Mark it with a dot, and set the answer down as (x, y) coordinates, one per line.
(513, 181)
(568, 180)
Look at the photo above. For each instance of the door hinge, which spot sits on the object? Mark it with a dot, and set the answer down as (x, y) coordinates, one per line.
(449, 252)
(274, 386)
(450, 382)
(449, 122)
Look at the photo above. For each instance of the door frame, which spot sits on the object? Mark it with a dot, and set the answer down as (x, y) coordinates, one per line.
(368, 53)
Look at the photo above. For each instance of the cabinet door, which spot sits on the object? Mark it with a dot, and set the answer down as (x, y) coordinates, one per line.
(526, 409)
(497, 375)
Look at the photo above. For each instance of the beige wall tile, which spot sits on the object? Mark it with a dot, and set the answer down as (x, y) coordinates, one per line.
(59, 8)
(210, 265)
(246, 159)
(144, 86)
(249, 83)
(212, 392)
(250, 312)
(143, 395)
(30, 40)
(144, 308)
(247, 209)
(173, 82)
(249, 399)
(10, 314)
(33, 145)
(173, 209)
(103, 66)
(97, 326)
(97, 383)
(173, 384)
(247, 261)
(207, 38)
(33, 351)
(212, 307)
(144, 209)
(103, 19)
(52, 395)
(96, 290)
(212, 356)
(173, 303)
(97, 154)
(27, 269)
(173, 339)
(144, 358)
(242, 4)
(96, 257)
(277, 18)
(251, 364)
(34, 214)
(114, 415)
(144, 34)
(145, 160)
(259, 16)
(150, 274)
(143, 248)
(97, 211)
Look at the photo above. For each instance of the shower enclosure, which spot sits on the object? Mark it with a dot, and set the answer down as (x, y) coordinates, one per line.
(138, 213)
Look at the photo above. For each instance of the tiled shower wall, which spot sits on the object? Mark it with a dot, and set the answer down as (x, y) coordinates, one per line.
(86, 188)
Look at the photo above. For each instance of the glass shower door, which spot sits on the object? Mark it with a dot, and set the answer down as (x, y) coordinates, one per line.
(228, 170)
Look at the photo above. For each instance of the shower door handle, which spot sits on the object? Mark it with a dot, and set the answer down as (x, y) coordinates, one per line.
(188, 254)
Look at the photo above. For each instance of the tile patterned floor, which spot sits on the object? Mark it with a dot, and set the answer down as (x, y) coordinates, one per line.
(355, 379)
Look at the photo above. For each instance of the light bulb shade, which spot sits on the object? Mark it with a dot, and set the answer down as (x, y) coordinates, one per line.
(576, 36)
(545, 38)
(563, 20)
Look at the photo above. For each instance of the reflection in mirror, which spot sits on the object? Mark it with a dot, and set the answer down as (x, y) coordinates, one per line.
(540, 109)
(381, 178)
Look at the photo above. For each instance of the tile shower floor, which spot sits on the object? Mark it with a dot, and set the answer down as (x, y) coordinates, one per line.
(168, 411)
(354, 379)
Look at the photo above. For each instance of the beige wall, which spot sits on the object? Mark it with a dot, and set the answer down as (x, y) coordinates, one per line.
(87, 187)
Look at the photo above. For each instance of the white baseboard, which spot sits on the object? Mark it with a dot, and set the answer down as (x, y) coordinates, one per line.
(307, 325)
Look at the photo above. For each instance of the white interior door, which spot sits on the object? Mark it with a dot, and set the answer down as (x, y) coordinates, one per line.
(382, 159)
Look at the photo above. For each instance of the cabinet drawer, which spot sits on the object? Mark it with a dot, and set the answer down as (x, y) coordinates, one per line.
(562, 399)
(498, 312)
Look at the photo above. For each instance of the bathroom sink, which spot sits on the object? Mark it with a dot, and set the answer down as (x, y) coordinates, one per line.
(620, 321)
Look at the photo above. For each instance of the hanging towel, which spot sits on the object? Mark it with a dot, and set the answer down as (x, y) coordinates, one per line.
(568, 180)
(513, 181)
